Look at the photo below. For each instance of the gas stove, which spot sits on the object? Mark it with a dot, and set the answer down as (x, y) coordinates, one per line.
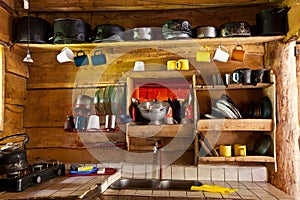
(32, 175)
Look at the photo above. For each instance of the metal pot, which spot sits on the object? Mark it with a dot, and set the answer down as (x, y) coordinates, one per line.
(108, 32)
(67, 30)
(177, 28)
(272, 21)
(13, 156)
(40, 30)
(234, 29)
(205, 32)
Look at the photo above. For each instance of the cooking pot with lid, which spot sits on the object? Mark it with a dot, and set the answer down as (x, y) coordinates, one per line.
(205, 32)
(40, 30)
(177, 28)
(13, 156)
(235, 29)
(108, 32)
(272, 21)
(68, 30)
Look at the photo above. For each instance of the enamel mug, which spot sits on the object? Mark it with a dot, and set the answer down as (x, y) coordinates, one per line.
(183, 64)
(239, 150)
(225, 150)
(238, 53)
(171, 64)
(203, 55)
(221, 54)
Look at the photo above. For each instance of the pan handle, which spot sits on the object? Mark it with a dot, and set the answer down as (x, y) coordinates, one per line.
(26, 138)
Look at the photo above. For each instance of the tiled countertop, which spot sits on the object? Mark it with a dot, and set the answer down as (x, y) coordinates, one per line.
(245, 190)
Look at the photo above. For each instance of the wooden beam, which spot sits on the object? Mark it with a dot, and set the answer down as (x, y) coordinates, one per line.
(280, 57)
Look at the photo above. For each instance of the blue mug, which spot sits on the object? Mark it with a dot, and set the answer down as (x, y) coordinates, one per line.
(81, 59)
(98, 58)
(81, 123)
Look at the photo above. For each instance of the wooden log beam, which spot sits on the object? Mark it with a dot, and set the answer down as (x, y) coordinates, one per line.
(280, 57)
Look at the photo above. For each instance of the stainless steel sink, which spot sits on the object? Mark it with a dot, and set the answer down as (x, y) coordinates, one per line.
(153, 184)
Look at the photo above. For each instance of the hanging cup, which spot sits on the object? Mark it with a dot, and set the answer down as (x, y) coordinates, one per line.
(98, 58)
(221, 54)
(238, 53)
(66, 55)
(81, 59)
(203, 55)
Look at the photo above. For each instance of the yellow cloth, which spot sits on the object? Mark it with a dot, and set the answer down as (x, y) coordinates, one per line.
(214, 188)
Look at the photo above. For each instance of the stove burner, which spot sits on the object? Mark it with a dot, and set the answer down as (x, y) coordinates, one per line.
(34, 174)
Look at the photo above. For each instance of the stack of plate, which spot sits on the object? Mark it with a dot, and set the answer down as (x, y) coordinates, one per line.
(225, 108)
(261, 109)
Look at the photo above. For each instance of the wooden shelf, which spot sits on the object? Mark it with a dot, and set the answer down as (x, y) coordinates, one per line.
(235, 124)
(237, 159)
(232, 86)
(164, 130)
(155, 43)
(160, 74)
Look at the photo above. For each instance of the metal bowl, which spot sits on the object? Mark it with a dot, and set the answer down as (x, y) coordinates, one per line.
(154, 112)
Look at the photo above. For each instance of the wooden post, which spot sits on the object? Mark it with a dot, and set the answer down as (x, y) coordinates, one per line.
(280, 57)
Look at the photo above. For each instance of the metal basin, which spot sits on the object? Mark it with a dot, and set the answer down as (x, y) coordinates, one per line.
(135, 184)
(177, 184)
(152, 184)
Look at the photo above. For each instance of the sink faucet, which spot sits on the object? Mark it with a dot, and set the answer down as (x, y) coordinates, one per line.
(156, 152)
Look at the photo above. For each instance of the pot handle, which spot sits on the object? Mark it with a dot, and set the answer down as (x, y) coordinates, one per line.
(286, 9)
(26, 138)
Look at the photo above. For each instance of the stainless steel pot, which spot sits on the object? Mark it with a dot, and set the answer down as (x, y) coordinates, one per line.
(206, 32)
(108, 32)
(13, 156)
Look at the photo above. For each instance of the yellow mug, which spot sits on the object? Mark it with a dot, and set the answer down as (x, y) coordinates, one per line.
(203, 55)
(171, 65)
(239, 150)
(225, 150)
(183, 64)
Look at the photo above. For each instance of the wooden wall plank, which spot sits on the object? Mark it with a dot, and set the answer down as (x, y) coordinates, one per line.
(14, 61)
(15, 89)
(13, 119)
(5, 21)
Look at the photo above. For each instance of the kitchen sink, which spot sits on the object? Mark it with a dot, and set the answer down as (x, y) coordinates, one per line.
(153, 184)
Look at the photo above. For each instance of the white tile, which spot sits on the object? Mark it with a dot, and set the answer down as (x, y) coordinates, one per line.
(161, 193)
(177, 172)
(218, 174)
(260, 174)
(139, 171)
(127, 170)
(245, 174)
(231, 174)
(174, 193)
(167, 172)
(195, 194)
(190, 173)
(151, 173)
(204, 174)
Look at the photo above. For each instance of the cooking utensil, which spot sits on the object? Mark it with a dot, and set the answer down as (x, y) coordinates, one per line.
(13, 157)
(273, 21)
(176, 28)
(205, 32)
(83, 104)
(40, 30)
(69, 30)
(109, 32)
(154, 111)
(233, 29)
(262, 145)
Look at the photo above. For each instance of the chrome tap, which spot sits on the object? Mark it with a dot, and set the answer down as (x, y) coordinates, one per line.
(157, 146)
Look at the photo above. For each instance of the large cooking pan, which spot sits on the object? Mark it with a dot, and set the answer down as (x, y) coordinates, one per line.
(40, 30)
(13, 156)
(272, 21)
(68, 30)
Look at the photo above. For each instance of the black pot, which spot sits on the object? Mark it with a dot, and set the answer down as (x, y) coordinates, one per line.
(13, 157)
(40, 30)
(68, 31)
(272, 21)
(108, 32)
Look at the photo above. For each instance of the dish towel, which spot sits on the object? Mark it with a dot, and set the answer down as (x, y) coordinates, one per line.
(214, 188)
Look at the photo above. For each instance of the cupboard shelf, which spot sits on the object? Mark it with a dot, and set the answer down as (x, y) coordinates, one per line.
(235, 124)
(232, 86)
(267, 159)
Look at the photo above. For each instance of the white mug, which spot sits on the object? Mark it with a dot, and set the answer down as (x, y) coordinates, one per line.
(221, 54)
(93, 123)
(66, 55)
(139, 66)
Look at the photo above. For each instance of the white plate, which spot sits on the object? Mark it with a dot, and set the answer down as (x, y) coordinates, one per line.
(209, 116)
(227, 111)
